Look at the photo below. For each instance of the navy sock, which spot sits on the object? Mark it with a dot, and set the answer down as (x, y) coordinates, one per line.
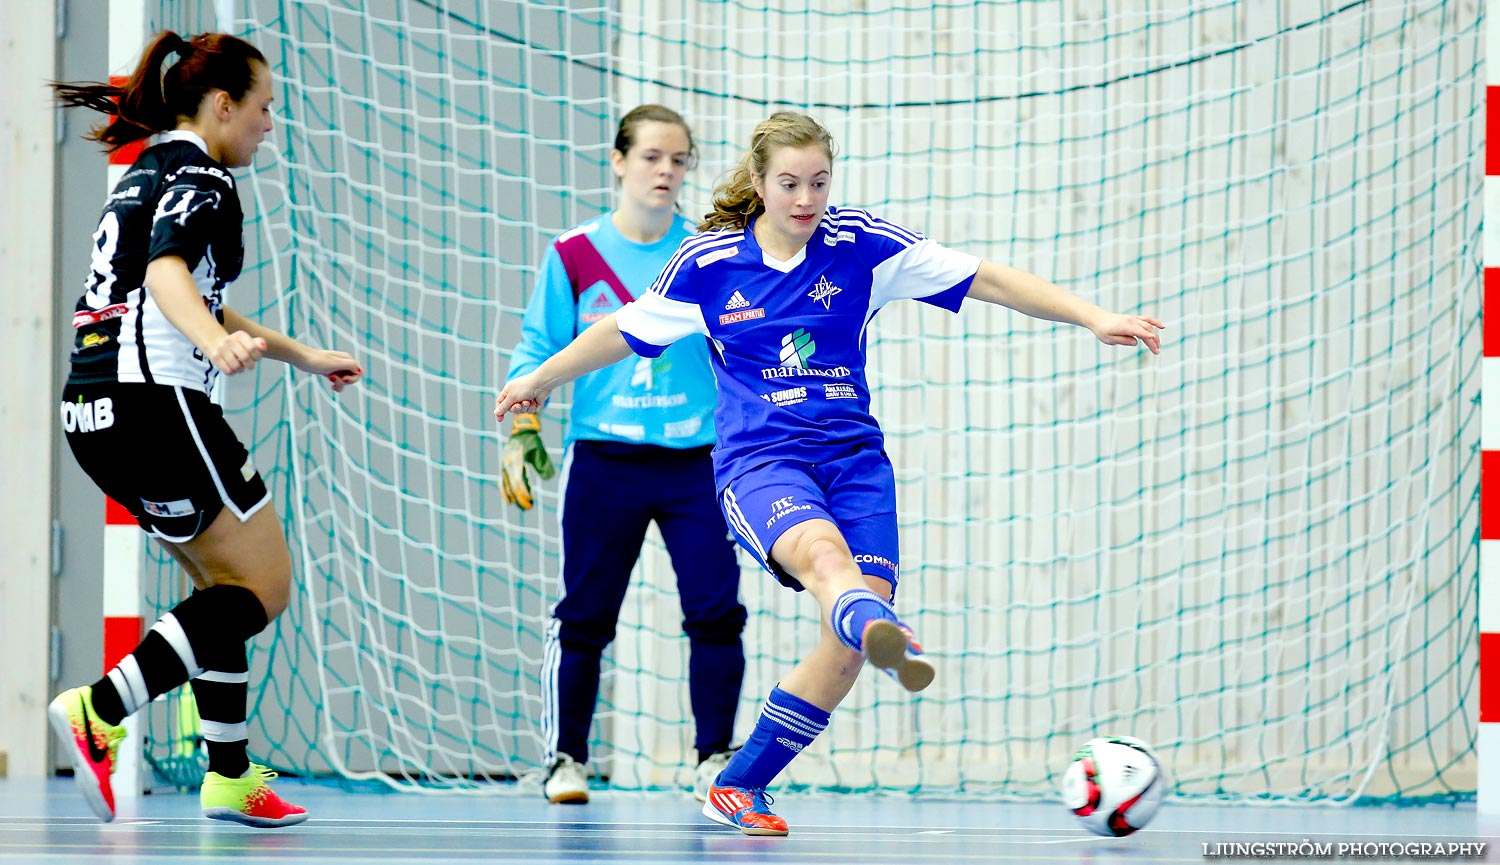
(787, 725)
(853, 610)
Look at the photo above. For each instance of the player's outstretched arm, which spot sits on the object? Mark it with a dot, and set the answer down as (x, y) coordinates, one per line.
(339, 367)
(1030, 294)
(595, 348)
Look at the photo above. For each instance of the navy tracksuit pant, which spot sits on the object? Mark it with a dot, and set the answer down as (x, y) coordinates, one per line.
(611, 493)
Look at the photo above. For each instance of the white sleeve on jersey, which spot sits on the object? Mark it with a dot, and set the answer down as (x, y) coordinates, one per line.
(652, 322)
(922, 269)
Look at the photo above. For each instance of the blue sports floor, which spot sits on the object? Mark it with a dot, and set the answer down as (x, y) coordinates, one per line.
(48, 822)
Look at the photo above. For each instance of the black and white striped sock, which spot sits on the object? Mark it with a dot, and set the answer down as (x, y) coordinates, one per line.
(221, 696)
(207, 630)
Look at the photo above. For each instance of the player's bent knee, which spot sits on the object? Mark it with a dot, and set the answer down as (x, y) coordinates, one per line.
(270, 579)
(274, 598)
(274, 583)
(218, 620)
(814, 552)
(252, 554)
(823, 549)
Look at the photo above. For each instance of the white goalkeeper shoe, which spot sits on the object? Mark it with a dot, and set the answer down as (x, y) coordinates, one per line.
(708, 772)
(568, 783)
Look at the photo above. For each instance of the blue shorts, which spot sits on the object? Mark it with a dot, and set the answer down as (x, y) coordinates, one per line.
(857, 493)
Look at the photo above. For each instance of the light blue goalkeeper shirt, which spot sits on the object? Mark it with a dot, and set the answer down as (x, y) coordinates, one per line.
(588, 273)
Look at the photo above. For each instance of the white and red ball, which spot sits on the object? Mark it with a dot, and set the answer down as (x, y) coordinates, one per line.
(1114, 785)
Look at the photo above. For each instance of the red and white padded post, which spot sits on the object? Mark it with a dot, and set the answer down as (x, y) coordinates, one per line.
(1489, 440)
(124, 553)
(123, 626)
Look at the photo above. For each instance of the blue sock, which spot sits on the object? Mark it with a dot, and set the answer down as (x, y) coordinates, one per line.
(787, 724)
(853, 610)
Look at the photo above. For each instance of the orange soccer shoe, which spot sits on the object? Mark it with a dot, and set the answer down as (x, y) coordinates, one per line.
(91, 745)
(746, 810)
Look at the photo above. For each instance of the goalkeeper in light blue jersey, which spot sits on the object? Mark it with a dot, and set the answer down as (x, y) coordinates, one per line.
(785, 287)
(637, 450)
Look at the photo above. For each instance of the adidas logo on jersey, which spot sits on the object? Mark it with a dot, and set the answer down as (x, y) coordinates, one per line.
(737, 304)
(599, 308)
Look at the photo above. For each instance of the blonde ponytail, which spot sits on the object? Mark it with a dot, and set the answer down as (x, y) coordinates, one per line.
(735, 200)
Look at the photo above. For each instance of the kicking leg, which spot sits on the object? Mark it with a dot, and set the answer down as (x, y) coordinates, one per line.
(814, 553)
(857, 609)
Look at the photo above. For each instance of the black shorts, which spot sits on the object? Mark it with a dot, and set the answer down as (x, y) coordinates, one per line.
(165, 453)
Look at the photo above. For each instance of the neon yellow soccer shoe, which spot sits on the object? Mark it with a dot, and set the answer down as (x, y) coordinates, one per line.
(248, 800)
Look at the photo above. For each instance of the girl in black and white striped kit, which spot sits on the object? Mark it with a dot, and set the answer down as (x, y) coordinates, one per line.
(152, 336)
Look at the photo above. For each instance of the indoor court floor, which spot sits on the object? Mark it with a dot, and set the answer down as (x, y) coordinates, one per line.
(48, 822)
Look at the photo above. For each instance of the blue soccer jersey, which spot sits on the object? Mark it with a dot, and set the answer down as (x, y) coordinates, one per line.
(588, 273)
(789, 337)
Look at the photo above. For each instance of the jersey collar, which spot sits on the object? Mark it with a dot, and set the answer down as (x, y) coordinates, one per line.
(186, 135)
(774, 263)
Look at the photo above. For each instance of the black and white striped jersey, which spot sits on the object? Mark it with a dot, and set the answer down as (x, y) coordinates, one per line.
(175, 200)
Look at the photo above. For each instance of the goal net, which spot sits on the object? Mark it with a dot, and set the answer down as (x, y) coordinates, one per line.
(1257, 551)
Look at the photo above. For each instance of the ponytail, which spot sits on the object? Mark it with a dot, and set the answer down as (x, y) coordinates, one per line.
(153, 101)
(735, 200)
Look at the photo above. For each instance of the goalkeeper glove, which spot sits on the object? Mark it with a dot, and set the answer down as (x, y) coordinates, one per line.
(524, 449)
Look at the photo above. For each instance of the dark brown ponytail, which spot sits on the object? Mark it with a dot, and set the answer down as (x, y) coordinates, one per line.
(152, 101)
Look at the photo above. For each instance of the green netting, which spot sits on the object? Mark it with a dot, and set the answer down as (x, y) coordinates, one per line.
(1257, 552)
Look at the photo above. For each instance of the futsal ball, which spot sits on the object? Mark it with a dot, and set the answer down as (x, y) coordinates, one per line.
(1114, 784)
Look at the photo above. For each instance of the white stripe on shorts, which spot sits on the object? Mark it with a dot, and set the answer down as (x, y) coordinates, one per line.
(742, 525)
(208, 463)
